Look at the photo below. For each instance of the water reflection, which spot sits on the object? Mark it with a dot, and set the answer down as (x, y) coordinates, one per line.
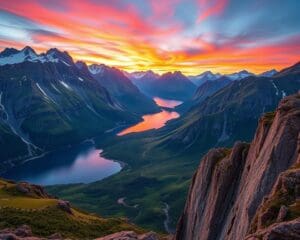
(156, 120)
(81, 164)
(166, 102)
(151, 121)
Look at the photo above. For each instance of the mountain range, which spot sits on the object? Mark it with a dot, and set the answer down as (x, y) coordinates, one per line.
(209, 76)
(170, 85)
(222, 116)
(48, 101)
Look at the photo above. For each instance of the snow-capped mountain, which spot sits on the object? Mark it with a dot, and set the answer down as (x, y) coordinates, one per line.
(203, 77)
(13, 56)
(97, 68)
(46, 101)
(269, 73)
(143, 80)
(141, 76)
(239, 75)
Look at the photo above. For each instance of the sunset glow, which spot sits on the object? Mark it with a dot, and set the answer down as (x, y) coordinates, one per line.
(188, 35)
(151, 121)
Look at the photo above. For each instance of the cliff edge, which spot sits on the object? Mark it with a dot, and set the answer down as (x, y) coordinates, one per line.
(230, 187)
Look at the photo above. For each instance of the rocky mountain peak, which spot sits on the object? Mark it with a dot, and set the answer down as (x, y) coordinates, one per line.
(63, 56)
(97, 68)
(27, 54)
(8, 52)
(28, 51)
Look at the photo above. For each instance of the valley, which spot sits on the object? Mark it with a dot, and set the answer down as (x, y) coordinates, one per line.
(160, 163)
(143, 146)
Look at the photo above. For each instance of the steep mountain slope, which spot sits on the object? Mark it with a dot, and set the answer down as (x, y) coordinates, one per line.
(169, 85)
(143, 80)
(47, 101)
(43, 215)
(172, 86)
(119, 86)
(231, 184)
(8, 139)
(293, 70)
(204, 77)
(220, 120)
(269, 73)
(209, 88)
(204, 91)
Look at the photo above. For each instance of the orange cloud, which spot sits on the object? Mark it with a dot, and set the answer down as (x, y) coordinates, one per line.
(101, 33)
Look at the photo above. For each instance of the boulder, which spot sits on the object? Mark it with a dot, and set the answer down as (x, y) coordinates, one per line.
(65, 206)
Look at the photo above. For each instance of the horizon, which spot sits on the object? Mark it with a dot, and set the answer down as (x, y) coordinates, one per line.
(146, 70)
(191, 36)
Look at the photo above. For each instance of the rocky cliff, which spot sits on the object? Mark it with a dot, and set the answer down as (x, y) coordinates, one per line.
(228, 194)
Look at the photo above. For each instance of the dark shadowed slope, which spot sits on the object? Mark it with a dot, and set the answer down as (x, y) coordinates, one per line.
(119, 86)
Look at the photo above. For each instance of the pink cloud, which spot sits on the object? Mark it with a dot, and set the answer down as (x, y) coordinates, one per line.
(211, 8)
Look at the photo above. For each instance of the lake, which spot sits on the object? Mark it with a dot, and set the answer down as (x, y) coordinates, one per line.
(78, 164)
(83, 163)
(155, 120)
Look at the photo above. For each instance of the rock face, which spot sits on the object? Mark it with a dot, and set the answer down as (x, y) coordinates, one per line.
(130, 235)
(229, 188)
(65, 206)
(278, 215)
(32, 190)
(24, 233)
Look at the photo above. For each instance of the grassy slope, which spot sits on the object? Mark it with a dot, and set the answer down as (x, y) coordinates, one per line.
(42, 215)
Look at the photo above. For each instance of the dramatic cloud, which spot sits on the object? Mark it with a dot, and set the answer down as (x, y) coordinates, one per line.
(166, 35)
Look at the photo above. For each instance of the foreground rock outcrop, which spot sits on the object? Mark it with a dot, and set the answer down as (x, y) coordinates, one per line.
(24, 233)
(130, 235)
(230, 186)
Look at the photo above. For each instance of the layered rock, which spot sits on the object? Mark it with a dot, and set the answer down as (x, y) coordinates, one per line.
(227, 190)
(278, 215)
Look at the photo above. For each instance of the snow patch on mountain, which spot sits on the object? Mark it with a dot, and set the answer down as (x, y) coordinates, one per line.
(55, 88)
(27, 54)
(17, 132)
(43, 92)
(239, 75)
(65, 85)
(275, 87)
(96, 69)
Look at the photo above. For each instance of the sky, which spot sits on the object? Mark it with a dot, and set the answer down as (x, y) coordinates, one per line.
(191, 36)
